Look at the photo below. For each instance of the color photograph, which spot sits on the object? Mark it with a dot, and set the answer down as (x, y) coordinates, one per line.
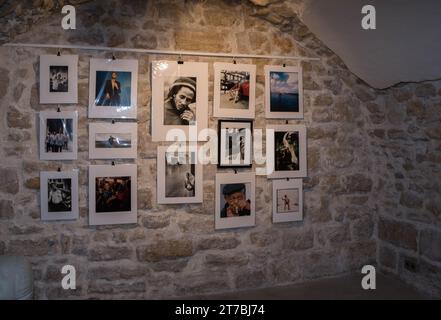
(287, 200)
(283, 92)
(113, 194)
(234, 90)
(113, 88)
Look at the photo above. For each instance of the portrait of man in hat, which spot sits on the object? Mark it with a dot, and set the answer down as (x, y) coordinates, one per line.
(180, 102)
(236, 202)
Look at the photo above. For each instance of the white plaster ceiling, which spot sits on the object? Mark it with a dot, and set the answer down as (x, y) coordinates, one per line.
(405, 47)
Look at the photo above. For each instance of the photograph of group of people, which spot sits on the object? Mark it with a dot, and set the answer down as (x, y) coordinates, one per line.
(59, 135)
(113, 194)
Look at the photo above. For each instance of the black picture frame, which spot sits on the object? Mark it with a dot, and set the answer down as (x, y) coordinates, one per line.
(221, 144)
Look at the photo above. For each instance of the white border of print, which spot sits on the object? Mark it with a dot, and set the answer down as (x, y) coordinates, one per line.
(71, 61)
(282, 115)
(162, 199)
(118, 65)
(64, 215)
(163, 68)
(218, 111)
(111, 153)
(287, 216)
(44, 115)
(113, 217)
(235, 222)
(302, 172)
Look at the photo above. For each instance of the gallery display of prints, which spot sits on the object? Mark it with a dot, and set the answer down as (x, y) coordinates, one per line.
(286, 151)
(235, 143)
(283, 92)
(235, 200)
(179, 178)
(113, 87)
(234, 90)
(58, 135)
(58, 79)
(112, 194)
(287, 200)
(179, 99)
(113, 140)
(59, 195)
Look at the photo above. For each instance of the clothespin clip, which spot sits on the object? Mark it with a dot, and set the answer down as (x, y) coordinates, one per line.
(59, 169)
(287, 179)
(58, 109)
(113, 121)
(113, 56)
(234, 60)
(235, 171)
(113, 163)
(180, 61)
(59, 53)
(284, 65)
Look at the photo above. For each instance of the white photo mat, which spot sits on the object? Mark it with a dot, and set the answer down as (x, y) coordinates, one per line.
(292, 209)
(235, 178)
(110, 65)
(109, 171)
(117, 131)
(161, 72)
(162, 181)
(45, 176)
(48, 61)
(280, 114)
(218, 110)
(62, 115)
(270, 150)
(229, 124)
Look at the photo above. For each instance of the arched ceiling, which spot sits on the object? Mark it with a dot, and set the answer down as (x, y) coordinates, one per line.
(405, 47)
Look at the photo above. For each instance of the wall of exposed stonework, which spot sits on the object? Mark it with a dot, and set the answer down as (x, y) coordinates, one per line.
(405, 135)
(173, 250)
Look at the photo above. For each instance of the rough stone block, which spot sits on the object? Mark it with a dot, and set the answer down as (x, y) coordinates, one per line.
(165, 250)
(401, 234)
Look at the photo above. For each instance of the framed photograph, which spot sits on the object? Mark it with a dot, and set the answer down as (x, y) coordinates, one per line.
(179, 176)
(113, 194)
(235, 143)
(287, 200)
(58, 135)
(59, 195)
(235, 200)
(179, 100)
(58, 79)
(113, 140)
(113, 87)
(283, 92)
(286, 151)
(234, 90)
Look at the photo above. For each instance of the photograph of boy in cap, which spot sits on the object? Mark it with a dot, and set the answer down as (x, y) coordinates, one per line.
(236, 203)
(180, 102)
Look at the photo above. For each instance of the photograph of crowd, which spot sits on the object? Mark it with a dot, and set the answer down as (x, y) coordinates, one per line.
(113, 194)
(59, 135)
(59, 195)
(59, 79)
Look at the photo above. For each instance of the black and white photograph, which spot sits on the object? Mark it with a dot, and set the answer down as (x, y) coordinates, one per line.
(179, 176)
(113, 88)
(179, 100)
(283, 92)
(234, 90)
(287, 200)
(58, 135)
(235, 143)
(58, 79)
(286, 151)
(235, 200)
(112, 194)
(59, 195)
(116, 140)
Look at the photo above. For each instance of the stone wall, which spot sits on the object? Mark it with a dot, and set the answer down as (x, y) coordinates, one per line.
(405, 136)
(357, 142)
